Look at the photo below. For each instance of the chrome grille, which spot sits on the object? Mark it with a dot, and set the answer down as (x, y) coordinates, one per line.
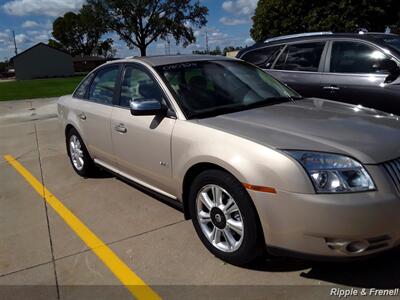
(393, 168)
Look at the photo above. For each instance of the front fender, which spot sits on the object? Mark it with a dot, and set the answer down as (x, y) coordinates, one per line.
(248, 161)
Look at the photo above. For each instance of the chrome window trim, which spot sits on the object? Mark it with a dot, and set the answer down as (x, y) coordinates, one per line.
(298, 35)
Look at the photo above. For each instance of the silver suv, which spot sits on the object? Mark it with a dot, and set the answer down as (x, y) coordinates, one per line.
(253, 164)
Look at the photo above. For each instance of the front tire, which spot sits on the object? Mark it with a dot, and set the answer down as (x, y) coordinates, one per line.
(78, 154)
(225, 218)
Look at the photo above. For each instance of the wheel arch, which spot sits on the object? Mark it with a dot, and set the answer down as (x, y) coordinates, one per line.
(191, 174)
(197, 169)
(68, 128)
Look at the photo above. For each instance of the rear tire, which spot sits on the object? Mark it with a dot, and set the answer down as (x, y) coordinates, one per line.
(79, 157)
(225, 218)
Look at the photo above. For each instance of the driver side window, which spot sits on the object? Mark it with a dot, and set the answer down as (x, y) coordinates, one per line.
(138, 85)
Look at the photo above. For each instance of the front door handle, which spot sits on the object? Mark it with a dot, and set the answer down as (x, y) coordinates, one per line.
(121, 128)
(332, 88)
(82, 116)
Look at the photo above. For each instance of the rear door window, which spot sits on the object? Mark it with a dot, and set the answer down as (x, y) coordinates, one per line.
(103, 86)
(355, 57)
(263, 58)
(81, 91)
(301, 57)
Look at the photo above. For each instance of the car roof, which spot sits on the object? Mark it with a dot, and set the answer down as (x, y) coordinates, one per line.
(161, 60)
(375, 37)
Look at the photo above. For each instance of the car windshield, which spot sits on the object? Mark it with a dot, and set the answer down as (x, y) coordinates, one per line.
(210, 88)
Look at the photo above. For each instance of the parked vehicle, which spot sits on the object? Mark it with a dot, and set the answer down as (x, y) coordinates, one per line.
(252, 163)
(355, 68)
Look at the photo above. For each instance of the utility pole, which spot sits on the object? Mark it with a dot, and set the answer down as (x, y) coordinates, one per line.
(15, 43)
(207, 49)
(167, 45)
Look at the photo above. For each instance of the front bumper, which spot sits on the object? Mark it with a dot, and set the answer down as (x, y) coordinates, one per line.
(331, 225)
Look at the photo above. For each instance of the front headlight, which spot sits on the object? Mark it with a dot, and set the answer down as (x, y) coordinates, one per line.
(333, 173)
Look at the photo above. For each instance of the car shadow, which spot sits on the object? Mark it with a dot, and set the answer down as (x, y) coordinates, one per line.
(101, 174)
(381, 272)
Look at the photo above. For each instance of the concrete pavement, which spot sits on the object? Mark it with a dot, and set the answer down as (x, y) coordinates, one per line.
(42, 258)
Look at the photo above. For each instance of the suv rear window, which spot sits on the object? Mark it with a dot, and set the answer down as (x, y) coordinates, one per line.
(301, 57)
(263, 58)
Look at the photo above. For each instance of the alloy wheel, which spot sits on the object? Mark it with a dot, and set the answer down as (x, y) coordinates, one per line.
(75, 150)
(219, 217)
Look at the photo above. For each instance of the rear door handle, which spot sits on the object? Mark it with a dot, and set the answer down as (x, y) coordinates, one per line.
(82, 116)
(332, 88)
(121, 128)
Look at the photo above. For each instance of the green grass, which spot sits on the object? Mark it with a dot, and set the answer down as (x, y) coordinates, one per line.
(38, 88)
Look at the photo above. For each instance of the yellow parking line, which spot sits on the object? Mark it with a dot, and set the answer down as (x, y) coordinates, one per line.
(133, 282)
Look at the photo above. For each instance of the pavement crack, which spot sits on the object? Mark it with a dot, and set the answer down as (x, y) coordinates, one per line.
(123, 239)
(24, 269)
(145, 232)
(47, 214)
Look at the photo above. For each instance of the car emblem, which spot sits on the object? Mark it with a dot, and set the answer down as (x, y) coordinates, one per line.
(218, 218)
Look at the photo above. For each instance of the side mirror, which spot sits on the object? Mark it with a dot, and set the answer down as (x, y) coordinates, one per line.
(389, 66)
(147, 107)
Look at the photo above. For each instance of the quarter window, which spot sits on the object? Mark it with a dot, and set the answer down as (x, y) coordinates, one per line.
(138, 85)
(103, 86)
(82, 89)
(353, 57)
(263, 58)
(301, 57)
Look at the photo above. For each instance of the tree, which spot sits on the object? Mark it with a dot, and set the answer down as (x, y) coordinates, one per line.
(141, 22)
(4, 66)
(216, 51)
(279, 17)
(80, 34)
(53, 43)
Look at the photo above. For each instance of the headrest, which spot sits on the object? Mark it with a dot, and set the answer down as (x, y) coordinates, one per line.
(149, 91)
(199, 82)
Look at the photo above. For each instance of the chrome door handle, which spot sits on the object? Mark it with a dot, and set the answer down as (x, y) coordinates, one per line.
(82, 116)
(331, 88)
(121, 128)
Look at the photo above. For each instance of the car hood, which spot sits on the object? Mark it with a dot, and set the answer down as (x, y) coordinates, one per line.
(317, 125)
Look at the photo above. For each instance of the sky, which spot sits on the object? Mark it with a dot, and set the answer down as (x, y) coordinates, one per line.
(229, 23)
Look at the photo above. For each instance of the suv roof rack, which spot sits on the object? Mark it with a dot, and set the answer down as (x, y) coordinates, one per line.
(284, 37)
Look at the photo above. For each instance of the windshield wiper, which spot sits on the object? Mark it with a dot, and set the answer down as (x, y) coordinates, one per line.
(226, 110)
(271, 101)
(216, 112)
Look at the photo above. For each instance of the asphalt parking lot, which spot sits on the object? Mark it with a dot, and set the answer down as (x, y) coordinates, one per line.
(42, 257)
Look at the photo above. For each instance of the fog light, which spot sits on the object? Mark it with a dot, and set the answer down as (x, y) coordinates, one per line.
(357, 246)
(346, 246)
